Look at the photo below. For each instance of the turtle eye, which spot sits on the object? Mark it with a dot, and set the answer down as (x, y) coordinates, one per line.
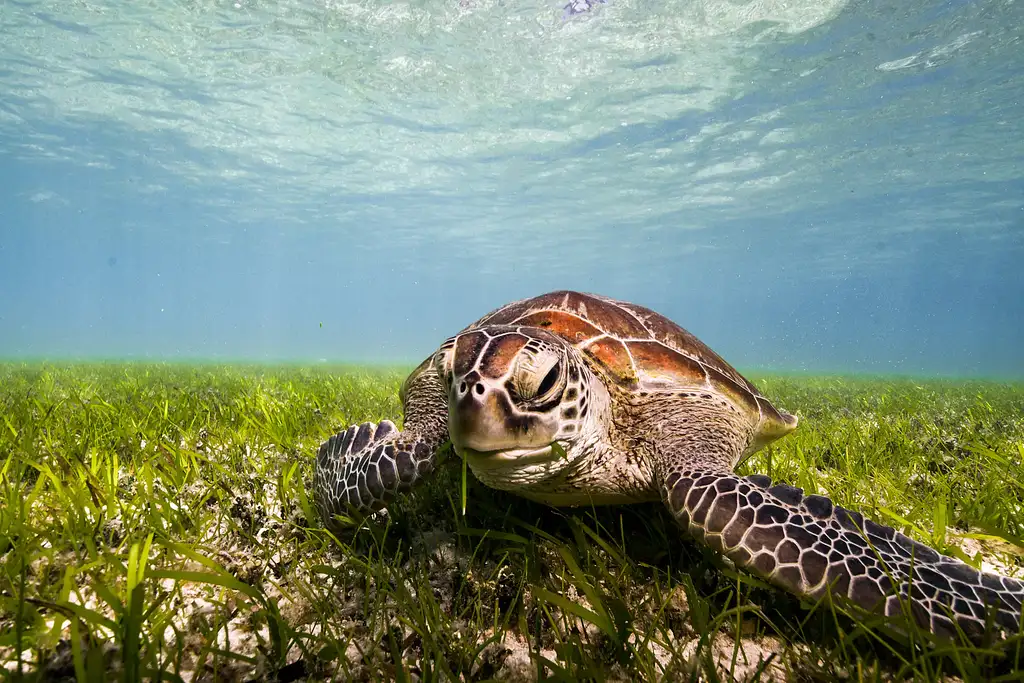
(444, 359)
(548, 383)
(537, 378)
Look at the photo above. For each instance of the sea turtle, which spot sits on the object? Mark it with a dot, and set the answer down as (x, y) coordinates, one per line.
(578, 399)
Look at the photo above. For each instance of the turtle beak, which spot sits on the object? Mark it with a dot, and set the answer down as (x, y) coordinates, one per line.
(481, 418)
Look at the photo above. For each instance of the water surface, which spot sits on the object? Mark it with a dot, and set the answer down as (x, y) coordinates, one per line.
(809, 186)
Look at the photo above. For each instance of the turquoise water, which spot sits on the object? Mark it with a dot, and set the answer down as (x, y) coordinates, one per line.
(807, 186)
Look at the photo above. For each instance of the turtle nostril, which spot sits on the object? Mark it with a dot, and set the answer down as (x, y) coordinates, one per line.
(480, 389)
(462, 387)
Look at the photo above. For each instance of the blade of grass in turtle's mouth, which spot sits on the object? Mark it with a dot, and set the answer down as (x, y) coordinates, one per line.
(506, 457)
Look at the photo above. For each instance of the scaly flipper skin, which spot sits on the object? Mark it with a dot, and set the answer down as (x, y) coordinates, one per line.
(807, 545)
(362, 469)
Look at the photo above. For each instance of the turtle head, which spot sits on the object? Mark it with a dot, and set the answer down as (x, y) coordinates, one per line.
(516, 396)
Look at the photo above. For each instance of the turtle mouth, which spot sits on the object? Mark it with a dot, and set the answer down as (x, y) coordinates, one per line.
(506, 456)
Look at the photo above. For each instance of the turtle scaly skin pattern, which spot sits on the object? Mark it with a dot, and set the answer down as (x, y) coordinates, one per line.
(642, 411)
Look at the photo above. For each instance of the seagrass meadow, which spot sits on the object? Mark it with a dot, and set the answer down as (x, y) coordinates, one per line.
(156, 524)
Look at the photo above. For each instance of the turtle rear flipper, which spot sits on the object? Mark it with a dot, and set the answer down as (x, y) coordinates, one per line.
(809, 546)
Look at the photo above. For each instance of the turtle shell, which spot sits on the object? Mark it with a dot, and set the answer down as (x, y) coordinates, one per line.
(637, 350)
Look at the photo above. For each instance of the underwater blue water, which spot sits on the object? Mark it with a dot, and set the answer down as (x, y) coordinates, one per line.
(821, 186)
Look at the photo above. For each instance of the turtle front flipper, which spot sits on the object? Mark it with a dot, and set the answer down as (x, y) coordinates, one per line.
(808, 546)
(362, 469)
